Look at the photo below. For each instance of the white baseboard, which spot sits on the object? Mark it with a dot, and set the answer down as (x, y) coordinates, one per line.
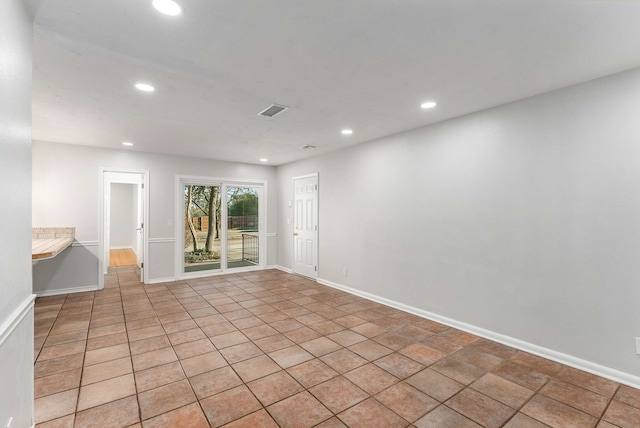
(284, 269)
(68, 290)
(16, 317)
(569, 360)
(85, 244)
(122, 248)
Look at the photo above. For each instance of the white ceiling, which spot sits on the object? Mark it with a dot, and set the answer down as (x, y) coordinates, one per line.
(362, 64)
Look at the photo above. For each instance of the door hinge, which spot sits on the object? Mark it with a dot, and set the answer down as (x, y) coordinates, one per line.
(142, 186)
(316, 187)
(141, 265)
(316, 227)
(315, 268)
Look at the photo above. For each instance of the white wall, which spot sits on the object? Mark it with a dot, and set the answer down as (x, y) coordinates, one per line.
(66, 178)
(523, 220)
(124, 206)
(16, 303)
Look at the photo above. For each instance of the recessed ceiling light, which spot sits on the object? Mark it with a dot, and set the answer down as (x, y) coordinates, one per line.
(126, 143)
(145, 87)
(264, 160)
(167, 7)
(429, 104)
(347, 132)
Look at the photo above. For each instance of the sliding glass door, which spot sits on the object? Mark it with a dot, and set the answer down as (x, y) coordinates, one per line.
(242, 226)
(202, 209)
(221, 225)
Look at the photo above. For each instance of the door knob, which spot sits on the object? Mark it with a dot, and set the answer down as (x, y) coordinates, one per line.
(295, 234)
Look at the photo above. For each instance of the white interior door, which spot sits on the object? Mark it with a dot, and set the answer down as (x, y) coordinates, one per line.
(305, 233)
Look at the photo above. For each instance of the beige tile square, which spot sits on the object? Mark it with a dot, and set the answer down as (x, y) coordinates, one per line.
(338, 394)
(57, 365)
(371, 413)
(274, 387)
(255, 368)
(153, 358)
(190, 416)
(106, 354)
(229, 405)
(371, 378)
(202, 363)
(214, 382)
(103, 392)
(407, 401)
(165, 398)
(299, 410)
(502, 390)
(197, 347)
(58, 382)
(158, 376)
(148, 345)
(55, 405)
(556, 414)
(106, 370)
(290, 356)
(312, 373)
(119, 413)
(57, 351)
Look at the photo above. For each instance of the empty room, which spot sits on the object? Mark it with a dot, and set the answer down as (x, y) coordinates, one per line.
(285, 213)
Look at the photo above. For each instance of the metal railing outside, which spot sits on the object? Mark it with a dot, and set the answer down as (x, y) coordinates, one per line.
(250, 248)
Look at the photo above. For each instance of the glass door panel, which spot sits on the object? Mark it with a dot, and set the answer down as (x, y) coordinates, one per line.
(242, 226)
(202, 223)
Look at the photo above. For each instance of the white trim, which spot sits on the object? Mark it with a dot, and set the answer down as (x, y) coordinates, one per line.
(271, 235)
(85, 244)
(101, 240)
(16, 317)
(298, 177)
(123, 248)
(206, 181)
(285, 269)
(569, 360)
(72, 290)
(159, 280)
(161, 240)
(205, 274)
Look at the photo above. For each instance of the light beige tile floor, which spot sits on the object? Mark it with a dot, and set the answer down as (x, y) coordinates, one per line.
(269, 349)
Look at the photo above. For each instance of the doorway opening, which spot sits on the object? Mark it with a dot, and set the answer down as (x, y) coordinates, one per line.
(221, 227)
(124, 215)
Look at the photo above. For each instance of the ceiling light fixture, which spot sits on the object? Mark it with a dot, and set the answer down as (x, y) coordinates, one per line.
(347, 132)
(428, 104)
(126, 143)
(144, 87)
(167, 7)
(264, 160)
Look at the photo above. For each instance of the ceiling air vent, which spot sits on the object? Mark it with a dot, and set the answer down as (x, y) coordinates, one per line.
(273, 110)
(308, 147)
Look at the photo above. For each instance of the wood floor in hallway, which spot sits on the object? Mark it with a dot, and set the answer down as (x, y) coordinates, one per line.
(122, 257)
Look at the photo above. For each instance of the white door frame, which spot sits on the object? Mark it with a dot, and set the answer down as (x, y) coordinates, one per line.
(317, 214)
(181, 181)
(104, 214)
